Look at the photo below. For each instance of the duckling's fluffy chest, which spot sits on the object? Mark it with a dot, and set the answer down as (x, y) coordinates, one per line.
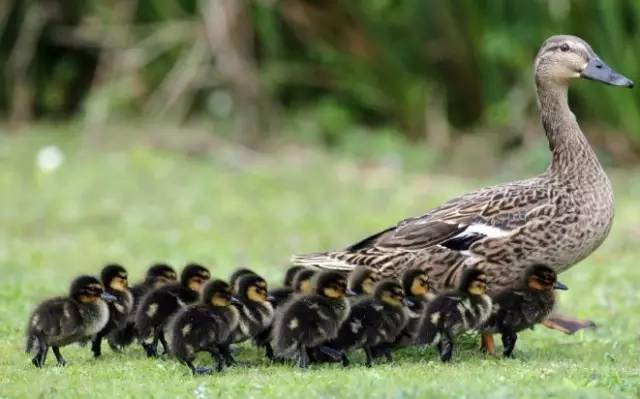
(95, 316)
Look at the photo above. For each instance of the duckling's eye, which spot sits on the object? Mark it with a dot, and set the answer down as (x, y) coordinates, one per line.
(565, 47)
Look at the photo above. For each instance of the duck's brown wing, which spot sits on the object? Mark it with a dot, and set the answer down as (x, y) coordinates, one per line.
(455, 225)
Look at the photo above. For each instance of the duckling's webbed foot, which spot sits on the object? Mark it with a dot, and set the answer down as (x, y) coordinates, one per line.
(59, 358)
(149, 349)
(345, 360)
(509, 339)
(369, 355)
(215, 354)
(268, 352)
(96, 345)
(225, 350)
(41, 357)
(445, 347)
(195, 370)
(566, 324)
(165, 345)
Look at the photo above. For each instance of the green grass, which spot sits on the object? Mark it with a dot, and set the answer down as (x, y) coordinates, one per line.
(134, 204)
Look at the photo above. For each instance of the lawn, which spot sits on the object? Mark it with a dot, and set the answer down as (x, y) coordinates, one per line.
(135, 204)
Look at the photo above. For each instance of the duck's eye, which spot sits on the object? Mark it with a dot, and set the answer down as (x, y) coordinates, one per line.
(564, 48)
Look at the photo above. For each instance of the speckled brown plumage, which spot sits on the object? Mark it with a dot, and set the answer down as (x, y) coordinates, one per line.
(556, 218)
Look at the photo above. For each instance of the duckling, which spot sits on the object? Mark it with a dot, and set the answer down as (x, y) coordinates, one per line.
(256, 312)
(455, 312)
(361, 281)
(160, 304)
(290, 274)
(297, 279)
(158, 274)
(303, 281)
(523, 307)
(62, 321)
(233, 279)
(373, 321)
(115, 282)
(309, 320)
(205, 326)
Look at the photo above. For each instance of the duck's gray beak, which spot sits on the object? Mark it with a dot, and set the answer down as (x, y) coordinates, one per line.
(598, 70)
(559, 286)
(350, 292)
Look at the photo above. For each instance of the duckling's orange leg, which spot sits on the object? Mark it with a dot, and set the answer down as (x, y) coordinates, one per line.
(566, 324)
(487, 344)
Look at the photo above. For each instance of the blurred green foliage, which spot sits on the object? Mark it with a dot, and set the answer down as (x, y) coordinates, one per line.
(400, 64)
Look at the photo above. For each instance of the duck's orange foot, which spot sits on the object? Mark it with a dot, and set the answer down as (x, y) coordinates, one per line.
(566, 324)
(487, 345)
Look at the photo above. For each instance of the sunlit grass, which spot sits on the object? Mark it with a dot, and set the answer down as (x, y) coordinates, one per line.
(134, 204)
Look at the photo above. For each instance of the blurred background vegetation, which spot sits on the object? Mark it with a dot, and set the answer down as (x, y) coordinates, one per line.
(336, 72)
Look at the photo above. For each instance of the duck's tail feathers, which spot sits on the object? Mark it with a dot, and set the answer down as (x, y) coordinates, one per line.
(322, 260)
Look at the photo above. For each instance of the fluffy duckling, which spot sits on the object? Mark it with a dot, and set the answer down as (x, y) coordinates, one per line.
(455, 312)
(62, 321)
(115, 282)
(256, 312)
(361, 281)
(205, 326)
(157, 275)
(280, 295)
(290, 274)
(309, 320)
(517, 309)
(235, 276)
(160, 304)
(418, 292)
(373, 320)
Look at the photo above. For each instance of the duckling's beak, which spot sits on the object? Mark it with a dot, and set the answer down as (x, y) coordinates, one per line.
(271, 298)
(350, 292)
(559, 286)
(235, 301)
(108, 297)
(597, 70)
(407, 302)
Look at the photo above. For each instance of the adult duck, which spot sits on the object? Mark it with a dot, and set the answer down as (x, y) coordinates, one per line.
(556, 218)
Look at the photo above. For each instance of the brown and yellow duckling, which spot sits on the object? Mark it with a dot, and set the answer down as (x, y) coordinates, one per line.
(454, 312)
(291, 284)
(373, 320)
(62, 321)
(115, 282)
(418, 291)
(160, 304)
(235, 276)
(361, 281)
(157, 275)
(517, 309)
(256, 312)
(309, 320)
(205, 327)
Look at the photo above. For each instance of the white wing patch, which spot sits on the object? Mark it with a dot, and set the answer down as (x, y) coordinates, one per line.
(484, 229)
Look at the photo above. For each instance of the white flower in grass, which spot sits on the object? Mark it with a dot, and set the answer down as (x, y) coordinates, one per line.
(49, 158)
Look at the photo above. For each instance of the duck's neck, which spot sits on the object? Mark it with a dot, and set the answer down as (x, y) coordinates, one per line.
(570, 149)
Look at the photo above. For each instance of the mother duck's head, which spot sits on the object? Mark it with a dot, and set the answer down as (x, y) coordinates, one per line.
(564, 57)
